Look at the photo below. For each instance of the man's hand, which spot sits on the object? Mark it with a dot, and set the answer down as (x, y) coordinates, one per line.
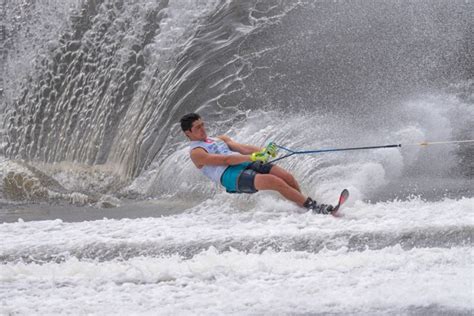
(262, 156)
(265, 154)
(271, 149)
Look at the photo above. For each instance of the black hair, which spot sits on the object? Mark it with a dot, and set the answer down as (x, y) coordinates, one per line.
(187, 121)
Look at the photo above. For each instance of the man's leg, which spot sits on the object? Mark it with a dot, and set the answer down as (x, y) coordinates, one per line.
(286, 176)
(272, 182)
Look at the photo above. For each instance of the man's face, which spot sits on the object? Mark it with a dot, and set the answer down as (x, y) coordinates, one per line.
(198, 131)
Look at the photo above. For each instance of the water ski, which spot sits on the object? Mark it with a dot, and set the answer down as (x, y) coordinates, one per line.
(342, 199)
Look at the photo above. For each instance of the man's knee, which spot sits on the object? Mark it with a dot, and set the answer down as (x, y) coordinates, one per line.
(282, 173)
(290, 177)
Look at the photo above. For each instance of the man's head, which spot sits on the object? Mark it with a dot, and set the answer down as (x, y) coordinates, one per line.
(193, 126)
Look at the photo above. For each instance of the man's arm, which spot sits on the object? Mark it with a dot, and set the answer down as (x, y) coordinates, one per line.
(240, 148)
(200, 157)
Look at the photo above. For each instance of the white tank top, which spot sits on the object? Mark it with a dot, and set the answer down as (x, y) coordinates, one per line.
(213, 146)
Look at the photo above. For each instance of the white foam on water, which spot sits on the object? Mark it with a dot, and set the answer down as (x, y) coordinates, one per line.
(235, 282)
(235, 218)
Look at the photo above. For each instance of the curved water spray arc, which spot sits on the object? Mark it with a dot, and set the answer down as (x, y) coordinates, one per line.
(118, 80)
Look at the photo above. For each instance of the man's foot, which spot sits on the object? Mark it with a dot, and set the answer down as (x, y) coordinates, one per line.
(316, 208)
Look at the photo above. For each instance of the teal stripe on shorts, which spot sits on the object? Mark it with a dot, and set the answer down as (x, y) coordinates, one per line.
(230, 177)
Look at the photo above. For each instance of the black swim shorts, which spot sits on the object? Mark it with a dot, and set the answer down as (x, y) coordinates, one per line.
(246, 179)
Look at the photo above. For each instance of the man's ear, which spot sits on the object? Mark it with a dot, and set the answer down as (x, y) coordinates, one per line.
(187, 133)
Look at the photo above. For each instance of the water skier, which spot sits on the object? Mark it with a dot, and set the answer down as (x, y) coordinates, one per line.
(242, 168)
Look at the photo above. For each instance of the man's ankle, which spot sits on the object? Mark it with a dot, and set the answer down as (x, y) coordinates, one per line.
(308, 203)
